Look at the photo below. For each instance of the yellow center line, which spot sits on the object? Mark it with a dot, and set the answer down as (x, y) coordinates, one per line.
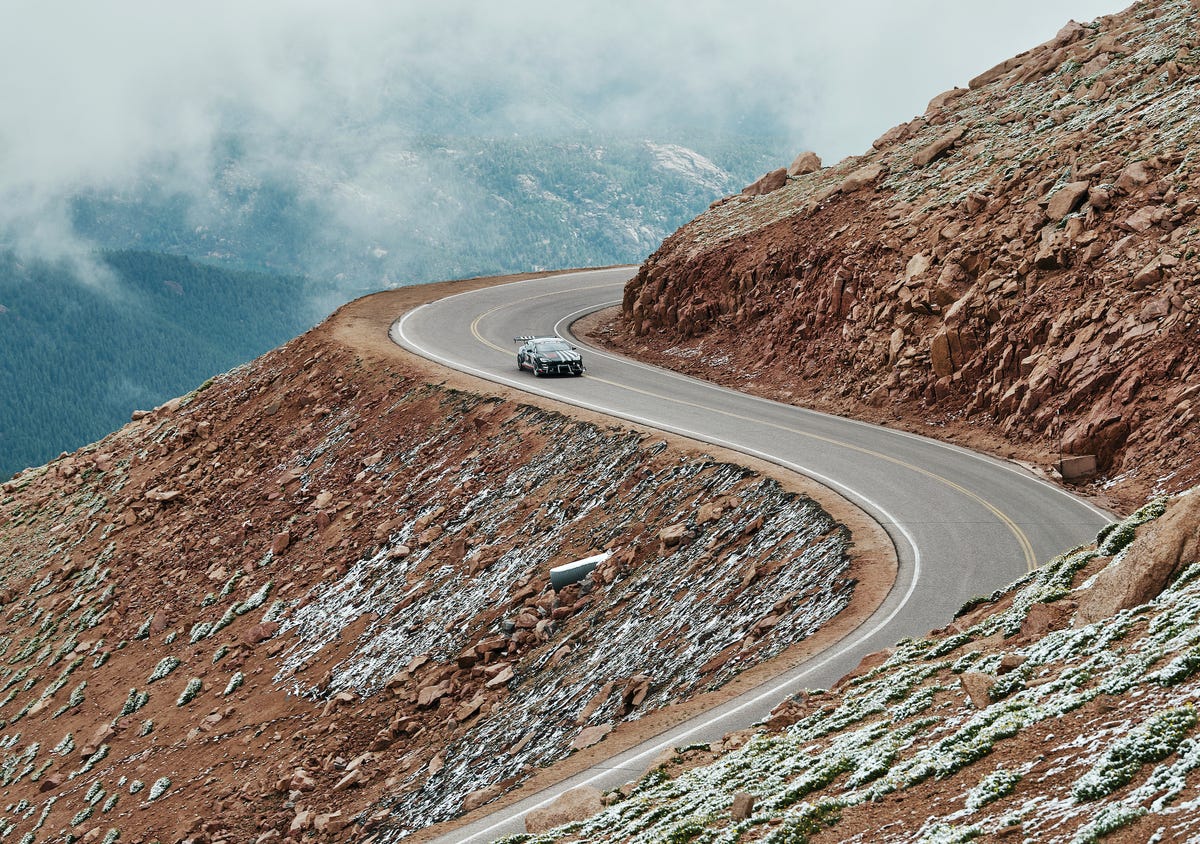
(1022, 540)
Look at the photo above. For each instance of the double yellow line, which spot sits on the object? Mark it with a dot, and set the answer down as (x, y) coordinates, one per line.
(1022, 540)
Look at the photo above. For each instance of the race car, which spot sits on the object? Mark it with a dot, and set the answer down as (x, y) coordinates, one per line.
(548, 356)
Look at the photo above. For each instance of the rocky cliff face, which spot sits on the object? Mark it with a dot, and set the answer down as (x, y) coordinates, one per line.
(312, 600)
(1019, 260)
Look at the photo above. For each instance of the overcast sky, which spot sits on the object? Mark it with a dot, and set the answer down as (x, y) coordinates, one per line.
(98, 94)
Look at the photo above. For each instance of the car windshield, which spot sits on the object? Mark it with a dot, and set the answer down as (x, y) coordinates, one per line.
(553, 346)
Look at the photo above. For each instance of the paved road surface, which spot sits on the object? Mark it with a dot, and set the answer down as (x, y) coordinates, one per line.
(963, 524)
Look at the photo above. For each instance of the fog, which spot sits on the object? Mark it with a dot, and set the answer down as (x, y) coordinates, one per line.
(108, 97)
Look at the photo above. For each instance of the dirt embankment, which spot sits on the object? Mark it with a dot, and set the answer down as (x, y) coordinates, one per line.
(311, 599)
(1014, 269)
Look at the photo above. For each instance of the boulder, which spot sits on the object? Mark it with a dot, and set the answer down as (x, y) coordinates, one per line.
(939, 146)
(1099, 197)
(302, 820)
(994, 73)
(1010, 662)
(594, 703)
(1132, 177)
(671, 536)
(467, 658)
(352, 778)
(1148, 275)
(976, 685)
(280, 542)
(468, 709)
(260, 632)
(1042, 618)
(743, 806)
(430, 695)
(590, 735)
(635, 691)
(1071, 32)
(330, 822)
(301, 780)
(575, 805)
(939, 355)
(477, 798)
(804, 163)
(1066, 199)
(944, 99)
(1142, 219)
(770, 182)
(916, 267)
(860, 178)
(897, 134)
(1147, 565)
(502, 676)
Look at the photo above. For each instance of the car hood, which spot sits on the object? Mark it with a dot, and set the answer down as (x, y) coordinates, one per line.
(559, 357)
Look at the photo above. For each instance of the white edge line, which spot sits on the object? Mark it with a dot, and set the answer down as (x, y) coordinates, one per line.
(1021, 472)
(1003, 464)
(399, 336)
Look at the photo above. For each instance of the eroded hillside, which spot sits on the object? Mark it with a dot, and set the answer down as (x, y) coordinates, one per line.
(311, 600)
(1016, 266)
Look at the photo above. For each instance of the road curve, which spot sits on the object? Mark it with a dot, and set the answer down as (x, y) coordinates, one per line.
(963, 523)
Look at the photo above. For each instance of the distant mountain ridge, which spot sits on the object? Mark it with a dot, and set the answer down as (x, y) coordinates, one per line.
(270, 247)
(385, 210)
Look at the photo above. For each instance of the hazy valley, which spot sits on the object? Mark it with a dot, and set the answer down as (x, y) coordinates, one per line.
(309, 598)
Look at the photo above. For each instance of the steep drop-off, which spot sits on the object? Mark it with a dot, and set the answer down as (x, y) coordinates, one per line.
(311, 600)
(1016, 265)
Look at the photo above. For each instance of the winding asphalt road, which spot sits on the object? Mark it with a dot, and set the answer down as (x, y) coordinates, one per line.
(963, 524)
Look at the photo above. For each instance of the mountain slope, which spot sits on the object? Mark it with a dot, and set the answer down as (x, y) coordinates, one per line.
(381, 207)
(1017, 264)
(314, 594)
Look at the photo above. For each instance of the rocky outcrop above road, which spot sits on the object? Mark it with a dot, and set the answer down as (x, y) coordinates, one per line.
(1016, 263)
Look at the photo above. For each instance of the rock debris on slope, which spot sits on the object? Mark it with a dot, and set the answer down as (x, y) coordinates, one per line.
(1026, 718)
(311, 601)
(1017, 264)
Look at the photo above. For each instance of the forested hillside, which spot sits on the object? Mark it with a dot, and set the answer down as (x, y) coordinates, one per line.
(76, 358)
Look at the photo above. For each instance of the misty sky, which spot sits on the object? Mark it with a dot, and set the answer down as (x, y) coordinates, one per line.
(99, 95)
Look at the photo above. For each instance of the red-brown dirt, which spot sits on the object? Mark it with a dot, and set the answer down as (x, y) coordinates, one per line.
(1013, 269)
(220, 602)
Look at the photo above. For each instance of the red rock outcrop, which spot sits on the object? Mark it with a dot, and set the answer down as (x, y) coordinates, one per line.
(1017, 263)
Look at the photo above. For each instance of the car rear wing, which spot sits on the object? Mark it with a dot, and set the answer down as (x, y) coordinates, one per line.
(522, 339)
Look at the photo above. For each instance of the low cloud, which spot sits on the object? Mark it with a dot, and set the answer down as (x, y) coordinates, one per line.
(139, 93)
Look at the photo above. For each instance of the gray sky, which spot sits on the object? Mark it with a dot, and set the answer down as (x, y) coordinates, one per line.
(98, 94)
